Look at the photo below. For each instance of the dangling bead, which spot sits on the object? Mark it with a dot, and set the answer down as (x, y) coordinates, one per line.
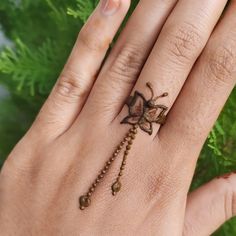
(85, 200)
(116, 187)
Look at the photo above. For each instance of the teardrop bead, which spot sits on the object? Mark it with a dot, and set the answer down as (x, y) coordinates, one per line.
(84, 201)
(116, 187)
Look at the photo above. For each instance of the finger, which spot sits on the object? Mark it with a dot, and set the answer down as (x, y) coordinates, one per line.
(79, 73)
(210, 206)
(126, 60)
(181, 41)
(203, 95)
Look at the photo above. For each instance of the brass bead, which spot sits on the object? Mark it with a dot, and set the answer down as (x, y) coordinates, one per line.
(133, 136)
(106, 167)
(112, 159)
(97, 181)
(128, 147)
(126, 152)
(122, 167)
(115, 154)
(84, 201)
(130, 142)
(92, 189)
(100, 176)
(135, 131)
(104, 172)
(116, 187)
(89, 194)
(94, 185)
(109, 163)
(123, 142)
(120, 174)
(124, 163)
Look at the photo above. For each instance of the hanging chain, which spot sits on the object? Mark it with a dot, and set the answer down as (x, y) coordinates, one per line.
(117, 185)
(85, 200)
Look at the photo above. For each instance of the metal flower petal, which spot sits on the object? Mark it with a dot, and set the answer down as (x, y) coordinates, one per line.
(132, 120)
(136, 104)
(146, 126)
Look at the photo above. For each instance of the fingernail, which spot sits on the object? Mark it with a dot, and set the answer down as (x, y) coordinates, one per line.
(109, 7)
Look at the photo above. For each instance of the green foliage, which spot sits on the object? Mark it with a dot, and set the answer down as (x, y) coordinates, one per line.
(84, 8)
(42, 34)
(14, 120)
(29, 68)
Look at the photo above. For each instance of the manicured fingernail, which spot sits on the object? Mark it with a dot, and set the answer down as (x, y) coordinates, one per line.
(109, 7)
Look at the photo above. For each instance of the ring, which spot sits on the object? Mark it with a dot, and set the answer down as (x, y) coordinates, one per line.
(142, 114)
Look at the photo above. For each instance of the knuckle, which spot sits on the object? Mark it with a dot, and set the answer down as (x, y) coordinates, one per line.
(184, 42)
(71, 87)
(221, 61)
(127, 65)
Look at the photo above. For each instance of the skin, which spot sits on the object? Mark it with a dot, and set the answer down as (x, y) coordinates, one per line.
(183, 48)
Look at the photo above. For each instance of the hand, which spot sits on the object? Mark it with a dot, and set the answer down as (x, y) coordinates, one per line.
(175, 46)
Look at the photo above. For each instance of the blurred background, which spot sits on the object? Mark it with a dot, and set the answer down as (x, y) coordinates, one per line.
(36, 37)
